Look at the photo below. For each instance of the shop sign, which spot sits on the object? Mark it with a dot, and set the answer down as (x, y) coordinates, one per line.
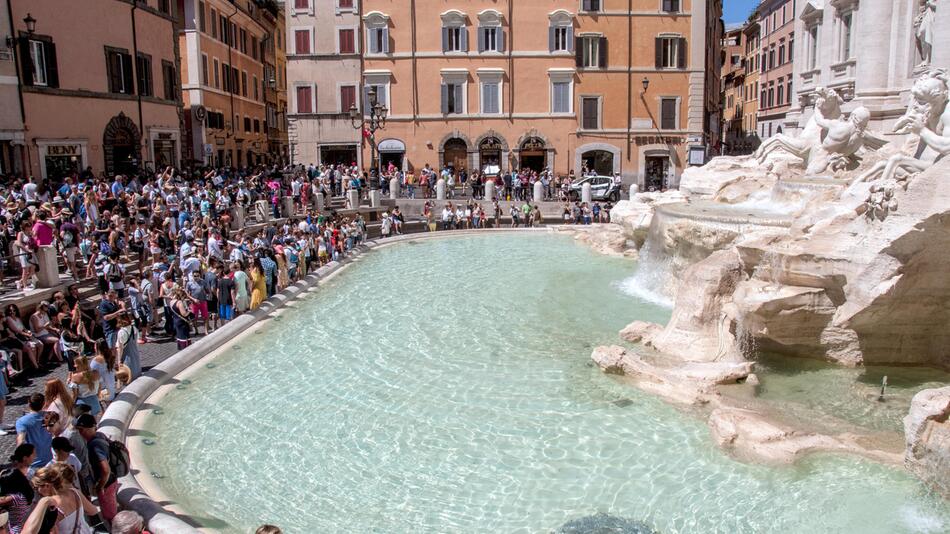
(490, 143)
(63, 150)
(164, 136)
(392, 145)
(658, 140)
(209, 149)
(532, 143)
(219, 140)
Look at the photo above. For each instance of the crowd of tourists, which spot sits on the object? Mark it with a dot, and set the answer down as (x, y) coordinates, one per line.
(155, 257)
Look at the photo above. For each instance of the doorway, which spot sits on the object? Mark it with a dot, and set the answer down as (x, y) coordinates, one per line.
(455, 154)
(599, 161)
(657, 173)
(338, 155)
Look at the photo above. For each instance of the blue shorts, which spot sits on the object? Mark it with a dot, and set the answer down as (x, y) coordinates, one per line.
(226, 311)
(111, 339)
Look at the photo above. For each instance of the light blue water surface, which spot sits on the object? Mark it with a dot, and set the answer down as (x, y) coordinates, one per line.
(446, 386)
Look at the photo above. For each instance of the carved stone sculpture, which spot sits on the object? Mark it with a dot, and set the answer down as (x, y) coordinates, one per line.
(827, 107)
(842, 139)
(924, 31)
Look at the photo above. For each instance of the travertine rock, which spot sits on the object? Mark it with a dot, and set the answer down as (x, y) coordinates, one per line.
(635, 216)
(640, 332)
(927, 432)
(607, 239)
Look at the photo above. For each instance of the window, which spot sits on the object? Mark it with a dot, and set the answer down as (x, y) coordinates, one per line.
(560, 97)
(347, 97)
(780, 94)
(781, 54)
(591, 113)
(491, 40)
(204, 70)
(590, 5)
(453, 98)
(345, 4)
(38, 57)
(235, 81)
(670, 52)
(143, 71)
(257, 126)
(671, 6)
(256, 87)
(454, 39)
(381, 91)
(788, 90)
(215, 120)
(791, 48)
(844, 46)
(217, 80)
(592, 52)
(165, 6)
(244, 83)
(305, 100)
(201, 17)
(772, 57)
(347, 41)
(491, 98)
(560, 38)
(668, 107)
(119, 70)
(247, 124)
(225, 30)
(378, 40)
(243, 41)
(812, 47)
(762, 99)
(169, 78)
(302, 41)
(225, 77)
(254, 46)
(770, 101)
(214, 23)
(301, 5)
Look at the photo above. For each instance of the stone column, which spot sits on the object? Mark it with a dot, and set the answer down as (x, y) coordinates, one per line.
(262, 211)
(318, 202)
(538, 191)
(394, 188)
(352, 198)
(375, 196)
(585, 192)
(287, 206)
(440, 189)
(237, 217)
(48, 270)
(489, 189)
(634, 189)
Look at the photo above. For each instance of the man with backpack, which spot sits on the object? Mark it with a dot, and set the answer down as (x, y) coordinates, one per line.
(109, 461)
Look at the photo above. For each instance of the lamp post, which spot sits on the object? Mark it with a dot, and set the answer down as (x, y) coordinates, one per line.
(646, 84)
(30, 23)
(374, 120)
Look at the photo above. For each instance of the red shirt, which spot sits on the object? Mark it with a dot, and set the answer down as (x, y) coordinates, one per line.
(43, 234)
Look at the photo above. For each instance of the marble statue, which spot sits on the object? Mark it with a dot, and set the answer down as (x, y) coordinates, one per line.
(924, 30)
(827, 107)
(925, 120)
(842, 139)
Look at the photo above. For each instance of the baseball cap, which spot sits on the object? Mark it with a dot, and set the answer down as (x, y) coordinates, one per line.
(86, 421)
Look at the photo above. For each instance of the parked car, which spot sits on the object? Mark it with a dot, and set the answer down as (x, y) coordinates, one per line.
(601, 188)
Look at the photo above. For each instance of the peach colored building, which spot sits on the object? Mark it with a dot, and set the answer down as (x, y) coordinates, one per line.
(752, 58)
(223, 43)
(12, 151)
(102, 99)
(776, 53)
(497, 85)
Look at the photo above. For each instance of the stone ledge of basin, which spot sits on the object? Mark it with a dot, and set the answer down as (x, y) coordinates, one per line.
(117, 417)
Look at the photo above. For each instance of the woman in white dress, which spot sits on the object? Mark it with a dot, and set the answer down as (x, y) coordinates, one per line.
(61, 505)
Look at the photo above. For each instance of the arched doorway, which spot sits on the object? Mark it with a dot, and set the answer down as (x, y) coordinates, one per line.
(455, 154)
(121, 145)
(490, 154)
(532, 154)
(599, 161)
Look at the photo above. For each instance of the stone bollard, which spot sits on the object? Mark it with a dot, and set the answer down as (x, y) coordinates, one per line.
(318, 202)
(262, 211)
(375, 197)
(634, 189)
(48, 270)
(394, 189)
(287, 206)
(352, 198)
(489, 190)
(585, 192)
(538, 191)
(440, 189)
(237, 217)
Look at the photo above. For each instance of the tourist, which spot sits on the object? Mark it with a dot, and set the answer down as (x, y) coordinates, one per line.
(43, 330)
(63, 454)
(127, 347)
(85, 382)
(128, 522)
(16, 492)
(68, 506)
(25, 248)
(34, 428)
(181, 317)
(29, 344)
(198, 293)
(110, 308)
(258, 283)
(105, 482)
(58, 400)
(241, 294)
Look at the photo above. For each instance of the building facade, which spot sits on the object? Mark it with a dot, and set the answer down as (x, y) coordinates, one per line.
(324, 43)
(223, 43)
(776, 56)
(277, 82)
(733, 90)
(12, 150)
(593, 85)
(750, 108)
(105, 100)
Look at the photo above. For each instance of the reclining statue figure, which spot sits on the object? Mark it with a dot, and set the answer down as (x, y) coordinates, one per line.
(827, 107)
(842, 140)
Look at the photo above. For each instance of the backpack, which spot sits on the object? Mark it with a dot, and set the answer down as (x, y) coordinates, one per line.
(118, 458)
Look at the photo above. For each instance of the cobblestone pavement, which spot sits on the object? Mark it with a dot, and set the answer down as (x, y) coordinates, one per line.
(151, 354)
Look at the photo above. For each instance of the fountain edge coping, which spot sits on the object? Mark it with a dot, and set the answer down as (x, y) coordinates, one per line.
(118, 416)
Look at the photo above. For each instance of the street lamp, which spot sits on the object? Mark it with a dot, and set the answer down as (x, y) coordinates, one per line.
(646, 84)
(30, 23)
(375, 120)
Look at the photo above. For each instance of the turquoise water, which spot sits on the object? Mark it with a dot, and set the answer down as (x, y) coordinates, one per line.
(446, 386)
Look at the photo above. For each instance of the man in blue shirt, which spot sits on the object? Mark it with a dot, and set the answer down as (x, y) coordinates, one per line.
(32, 428)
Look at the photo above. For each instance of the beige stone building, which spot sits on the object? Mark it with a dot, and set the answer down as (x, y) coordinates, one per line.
(323, 78)
(566, 84)
(223, 43)
(102, 99)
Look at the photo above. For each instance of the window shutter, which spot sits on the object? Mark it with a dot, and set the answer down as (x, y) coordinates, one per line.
(666, 5)
(445, 99)
(579, 52)
(463, 32)
(587, 5)
(658, 43)
(603, 52)
(366, 99)
(371, 41)
(381, 95)
(445, 39)
(481, 39)
(458, 99)
(681, 53)
(52, 71)
(26, 60)
(501, 40)
(551, 30)
(385, 40)
(127, 73)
